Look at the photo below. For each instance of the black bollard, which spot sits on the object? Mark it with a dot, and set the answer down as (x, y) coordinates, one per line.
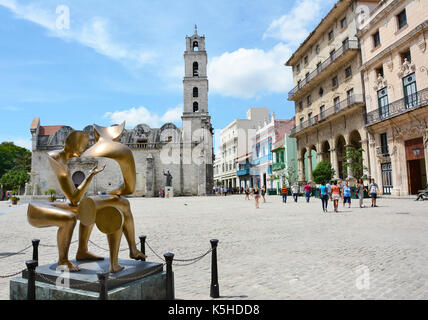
(143, 245)
(31, 285)
(170, 295)
(215, 292)
(102, 278)
(36, 250)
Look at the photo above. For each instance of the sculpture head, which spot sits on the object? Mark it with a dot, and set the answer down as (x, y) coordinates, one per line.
(109, 133)
(76, 143)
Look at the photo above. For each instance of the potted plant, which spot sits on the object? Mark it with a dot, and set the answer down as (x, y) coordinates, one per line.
(51, 193)
(14, 199)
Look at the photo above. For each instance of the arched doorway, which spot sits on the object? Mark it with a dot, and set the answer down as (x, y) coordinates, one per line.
(78, 177)
(325, 151)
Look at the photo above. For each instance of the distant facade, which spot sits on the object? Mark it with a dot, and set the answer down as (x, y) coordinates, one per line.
(328, 92)
(267, 134)
(187, 152)
(234, 140)
(395, 72)
(284, 162)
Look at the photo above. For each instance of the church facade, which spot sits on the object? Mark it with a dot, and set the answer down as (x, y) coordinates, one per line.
(186, 152)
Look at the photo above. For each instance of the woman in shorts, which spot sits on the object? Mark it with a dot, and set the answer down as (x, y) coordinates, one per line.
(256, 193)
(335, 195)
(347, 195)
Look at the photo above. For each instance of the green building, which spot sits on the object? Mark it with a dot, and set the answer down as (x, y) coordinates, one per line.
(284, 164)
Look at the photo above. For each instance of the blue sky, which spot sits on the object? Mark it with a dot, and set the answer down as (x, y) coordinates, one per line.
(123, 60)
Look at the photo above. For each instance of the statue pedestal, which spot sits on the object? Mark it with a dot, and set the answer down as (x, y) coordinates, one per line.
(139, 280)
(169, 192)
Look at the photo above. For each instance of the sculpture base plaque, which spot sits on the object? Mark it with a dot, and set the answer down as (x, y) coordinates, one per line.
(139, 280)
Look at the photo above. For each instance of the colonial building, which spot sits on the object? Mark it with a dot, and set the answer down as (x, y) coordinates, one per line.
(235, 140)
(268, 133)
(284, 161)
(328, 92)
(395, 71)
(186, 152)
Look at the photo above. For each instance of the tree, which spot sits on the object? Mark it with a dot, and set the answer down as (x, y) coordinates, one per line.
(356, 163)
(323, 172)
(14, 157)
(14, 179)
(289, 174)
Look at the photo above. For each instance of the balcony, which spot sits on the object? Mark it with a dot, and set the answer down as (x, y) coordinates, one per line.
(278, 166)
(406, 104)
(243, 172)
(343, 54)
(354, 100)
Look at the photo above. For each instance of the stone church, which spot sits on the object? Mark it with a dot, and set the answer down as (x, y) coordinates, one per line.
(186, 152)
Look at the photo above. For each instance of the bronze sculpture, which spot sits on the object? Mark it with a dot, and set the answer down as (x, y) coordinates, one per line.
(63, 215)
(112, 213)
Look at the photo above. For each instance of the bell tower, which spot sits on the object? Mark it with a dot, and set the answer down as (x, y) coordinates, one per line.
(195, 81)
(197, 133)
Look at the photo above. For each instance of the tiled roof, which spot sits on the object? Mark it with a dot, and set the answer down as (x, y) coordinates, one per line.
(48, 130)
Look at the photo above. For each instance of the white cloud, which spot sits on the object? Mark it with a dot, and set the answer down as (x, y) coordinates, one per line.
(292, 27)
(135, 116)
(94, 34)
(10, 108)
(245, 73)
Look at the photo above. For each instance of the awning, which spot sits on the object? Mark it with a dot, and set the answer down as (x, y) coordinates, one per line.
(278, 147)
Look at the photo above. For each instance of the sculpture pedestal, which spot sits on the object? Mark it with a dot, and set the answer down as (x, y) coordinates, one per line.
(139, 280)
(169, 192)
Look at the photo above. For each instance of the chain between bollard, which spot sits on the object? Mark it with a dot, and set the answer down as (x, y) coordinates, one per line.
(11, 275)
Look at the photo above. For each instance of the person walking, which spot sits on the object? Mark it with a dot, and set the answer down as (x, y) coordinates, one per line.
(263, 192)
(307, 192)
(295, 191)
(284, 192)
(324, 196)
(247, 193)
(373, 187)
(225, 191)
(328, 186)
(360, 191)
(256, 193)
(347, 195)
(335, 195)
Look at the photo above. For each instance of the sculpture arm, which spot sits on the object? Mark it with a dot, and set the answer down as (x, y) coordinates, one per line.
(70, 191)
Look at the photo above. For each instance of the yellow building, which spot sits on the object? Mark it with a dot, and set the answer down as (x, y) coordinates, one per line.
(328, 91)
(393, 39)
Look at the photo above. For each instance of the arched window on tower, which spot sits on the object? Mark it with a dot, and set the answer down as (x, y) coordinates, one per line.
(195, 107)
(195, 46)
(195, 69)
(195, 92)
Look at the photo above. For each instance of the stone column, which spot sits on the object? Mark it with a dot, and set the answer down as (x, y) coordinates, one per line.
(301, 168)
(309, 166)
(396, 169)
(150, 177)
(333, 159)
(366, 162)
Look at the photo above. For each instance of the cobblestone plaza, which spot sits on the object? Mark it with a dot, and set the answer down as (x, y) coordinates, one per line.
(280, 251)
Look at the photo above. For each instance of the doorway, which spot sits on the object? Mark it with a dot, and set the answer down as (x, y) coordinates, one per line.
(416, 170)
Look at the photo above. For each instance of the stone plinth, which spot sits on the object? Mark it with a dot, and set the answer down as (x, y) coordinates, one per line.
(169, 192)
(137, 281)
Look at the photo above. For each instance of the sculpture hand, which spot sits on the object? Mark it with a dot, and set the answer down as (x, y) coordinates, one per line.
(94, 171)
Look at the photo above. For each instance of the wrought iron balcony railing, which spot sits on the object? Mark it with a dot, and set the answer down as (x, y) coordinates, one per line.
(355, 99)
(278, 166)
(413, 101)
(348, 45)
